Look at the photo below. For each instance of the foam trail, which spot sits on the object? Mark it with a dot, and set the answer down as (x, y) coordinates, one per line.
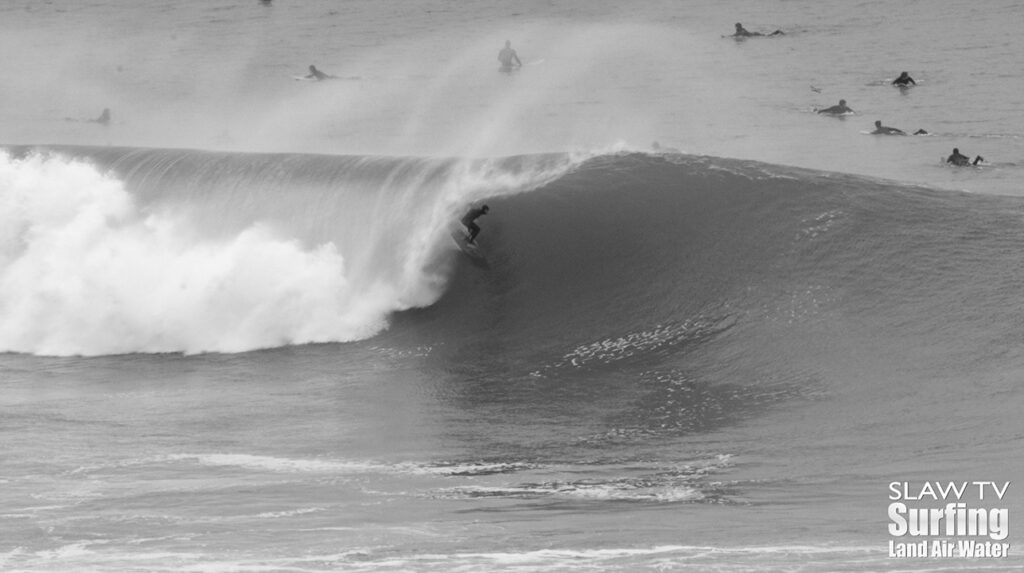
(85, 272)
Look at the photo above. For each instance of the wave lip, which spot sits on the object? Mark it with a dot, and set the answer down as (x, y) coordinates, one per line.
(116, 251)
(612, 259)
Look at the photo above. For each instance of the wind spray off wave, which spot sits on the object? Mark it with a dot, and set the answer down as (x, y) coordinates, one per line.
(195, 252)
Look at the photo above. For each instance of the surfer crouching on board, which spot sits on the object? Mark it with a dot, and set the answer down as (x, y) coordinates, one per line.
(508, 57)
(962, 160)
(469, 221)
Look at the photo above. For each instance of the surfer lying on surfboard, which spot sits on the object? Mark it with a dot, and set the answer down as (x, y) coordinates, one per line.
(886, 130)
(904, 81)
(742, 32)
(961, 160)
(469, 221)
(841, 109)
(315, 74)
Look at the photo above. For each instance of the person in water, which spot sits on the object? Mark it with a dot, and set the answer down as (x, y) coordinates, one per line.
(469, 220)
(742, 32)
(836, 109)
(508, 57)
(962, 160)
(315, 74)
(104, 118)
(883, 130)
(904, 81)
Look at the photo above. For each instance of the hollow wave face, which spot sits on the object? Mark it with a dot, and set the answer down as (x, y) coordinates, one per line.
(159, 251)
(605, 258)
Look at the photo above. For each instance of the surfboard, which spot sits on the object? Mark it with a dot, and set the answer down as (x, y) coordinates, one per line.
(979, 166)
(309, 79)
(887, 133)
(469, 249)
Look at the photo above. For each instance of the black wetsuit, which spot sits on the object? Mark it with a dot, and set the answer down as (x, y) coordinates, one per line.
(958, 159)
(836, 110)
(468, 221)
(904, 81)
(883, 130)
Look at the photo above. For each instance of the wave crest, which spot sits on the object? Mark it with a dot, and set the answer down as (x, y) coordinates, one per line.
(121, 251)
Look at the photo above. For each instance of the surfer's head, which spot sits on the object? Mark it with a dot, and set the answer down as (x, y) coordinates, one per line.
(878, 123)
(842, 102)
(485, 209)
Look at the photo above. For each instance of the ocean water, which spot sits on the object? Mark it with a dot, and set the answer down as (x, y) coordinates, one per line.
(237, 336)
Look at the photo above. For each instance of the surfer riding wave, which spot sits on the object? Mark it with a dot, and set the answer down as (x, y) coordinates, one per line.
(469, 221)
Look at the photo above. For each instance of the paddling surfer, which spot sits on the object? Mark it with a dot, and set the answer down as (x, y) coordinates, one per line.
(961, 160)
